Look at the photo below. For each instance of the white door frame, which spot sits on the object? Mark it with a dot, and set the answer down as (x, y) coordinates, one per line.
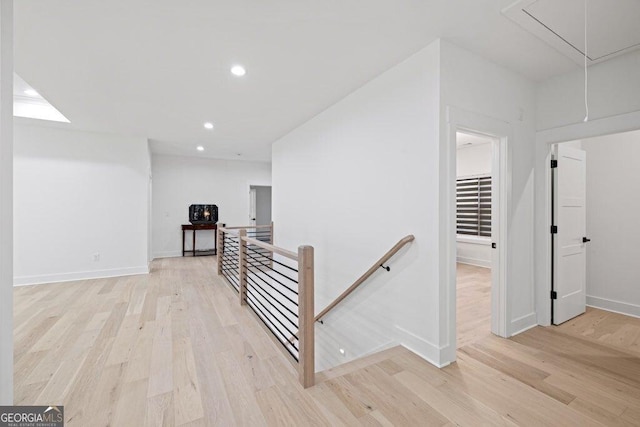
(252, 205)
(459, 120)
(544, 142)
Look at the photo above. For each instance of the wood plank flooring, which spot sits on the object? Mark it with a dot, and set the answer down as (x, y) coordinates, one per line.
(174, 348)
(473, 286)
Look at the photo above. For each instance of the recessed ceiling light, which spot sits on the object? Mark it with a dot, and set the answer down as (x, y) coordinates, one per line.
(208, 125)
(238, 70)
(200, 148)
(31, 92)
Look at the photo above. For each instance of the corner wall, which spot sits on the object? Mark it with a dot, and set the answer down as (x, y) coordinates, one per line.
(353, 181)
(80, 205)
(474, 84)
(614, 104)
(612, 213)
(179, 182)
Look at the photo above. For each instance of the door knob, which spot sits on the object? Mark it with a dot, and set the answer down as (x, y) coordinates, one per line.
(585, 240)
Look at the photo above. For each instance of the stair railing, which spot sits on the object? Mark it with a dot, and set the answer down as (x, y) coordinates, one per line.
(360, 280)
(277, 286)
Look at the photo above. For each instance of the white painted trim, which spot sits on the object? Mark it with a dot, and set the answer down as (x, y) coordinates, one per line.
(516, 12)
(544, 140)
(378, 349)
(598, 127)
(502, 133)
(474, 261)
(523, 323)
(614, 306)
(484, 241)
(6, 202)
(167, 254)
(423, 348)
(80, 275)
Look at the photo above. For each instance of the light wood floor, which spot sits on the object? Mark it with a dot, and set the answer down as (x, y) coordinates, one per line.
(473, 303)
(175, 348)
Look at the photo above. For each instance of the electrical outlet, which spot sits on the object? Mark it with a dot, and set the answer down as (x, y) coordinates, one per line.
(96, 257)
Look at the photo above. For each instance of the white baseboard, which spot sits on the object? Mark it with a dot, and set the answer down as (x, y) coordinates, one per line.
(80, 275)
(614, 306)
(474, 261)
(423, 348)
(167, 254)
(523, 323)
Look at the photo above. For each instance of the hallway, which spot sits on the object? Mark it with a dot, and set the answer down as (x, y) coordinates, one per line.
(175, 348)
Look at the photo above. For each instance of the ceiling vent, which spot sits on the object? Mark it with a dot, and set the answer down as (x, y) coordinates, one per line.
(612, 30)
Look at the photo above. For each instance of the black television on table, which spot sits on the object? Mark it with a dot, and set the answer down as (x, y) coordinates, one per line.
(203, 214)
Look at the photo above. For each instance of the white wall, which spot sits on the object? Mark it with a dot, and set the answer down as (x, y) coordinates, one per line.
(353, 181)
(473, 84)
(474, 160)
(614, 88)
(614, 104)
(179, 182)
(6, 202)
(77, 194)
(613, 203)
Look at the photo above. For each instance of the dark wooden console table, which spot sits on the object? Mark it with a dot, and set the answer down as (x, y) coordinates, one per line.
(194, 228)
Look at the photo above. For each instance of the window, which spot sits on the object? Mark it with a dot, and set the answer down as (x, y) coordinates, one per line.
(473, 206)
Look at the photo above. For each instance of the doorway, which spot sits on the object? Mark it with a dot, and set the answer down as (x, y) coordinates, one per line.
(498, 133)
(593, 206)
(474, 207)
(259, 205)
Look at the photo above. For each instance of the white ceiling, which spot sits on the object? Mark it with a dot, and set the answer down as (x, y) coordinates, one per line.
(612, 26)
(29, 104)
(464, 140)
(160, 69)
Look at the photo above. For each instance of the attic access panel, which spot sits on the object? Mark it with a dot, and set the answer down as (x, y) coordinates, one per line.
(612, 28)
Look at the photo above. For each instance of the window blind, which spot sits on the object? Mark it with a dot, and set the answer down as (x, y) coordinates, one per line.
(473, 206)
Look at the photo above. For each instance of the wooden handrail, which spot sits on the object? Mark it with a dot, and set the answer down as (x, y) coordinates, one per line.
(366, 275)
(237, 231)
(234, 231)
(271, 248)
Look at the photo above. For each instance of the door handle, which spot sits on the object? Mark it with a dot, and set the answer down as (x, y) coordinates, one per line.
(585, 240)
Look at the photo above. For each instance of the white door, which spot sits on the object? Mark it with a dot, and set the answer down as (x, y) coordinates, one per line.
(252, 206)
(569, 254)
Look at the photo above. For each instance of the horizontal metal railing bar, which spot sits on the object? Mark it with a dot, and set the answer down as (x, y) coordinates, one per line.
(277, 262)
(277, 290)
(233, 282)
(271, 268)
(227, 272)
(262, 317)
(230, 268)
(283, 305)
(244, 227)
(230, 265)
(271, 248)
(268, 298)
(272, 315)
